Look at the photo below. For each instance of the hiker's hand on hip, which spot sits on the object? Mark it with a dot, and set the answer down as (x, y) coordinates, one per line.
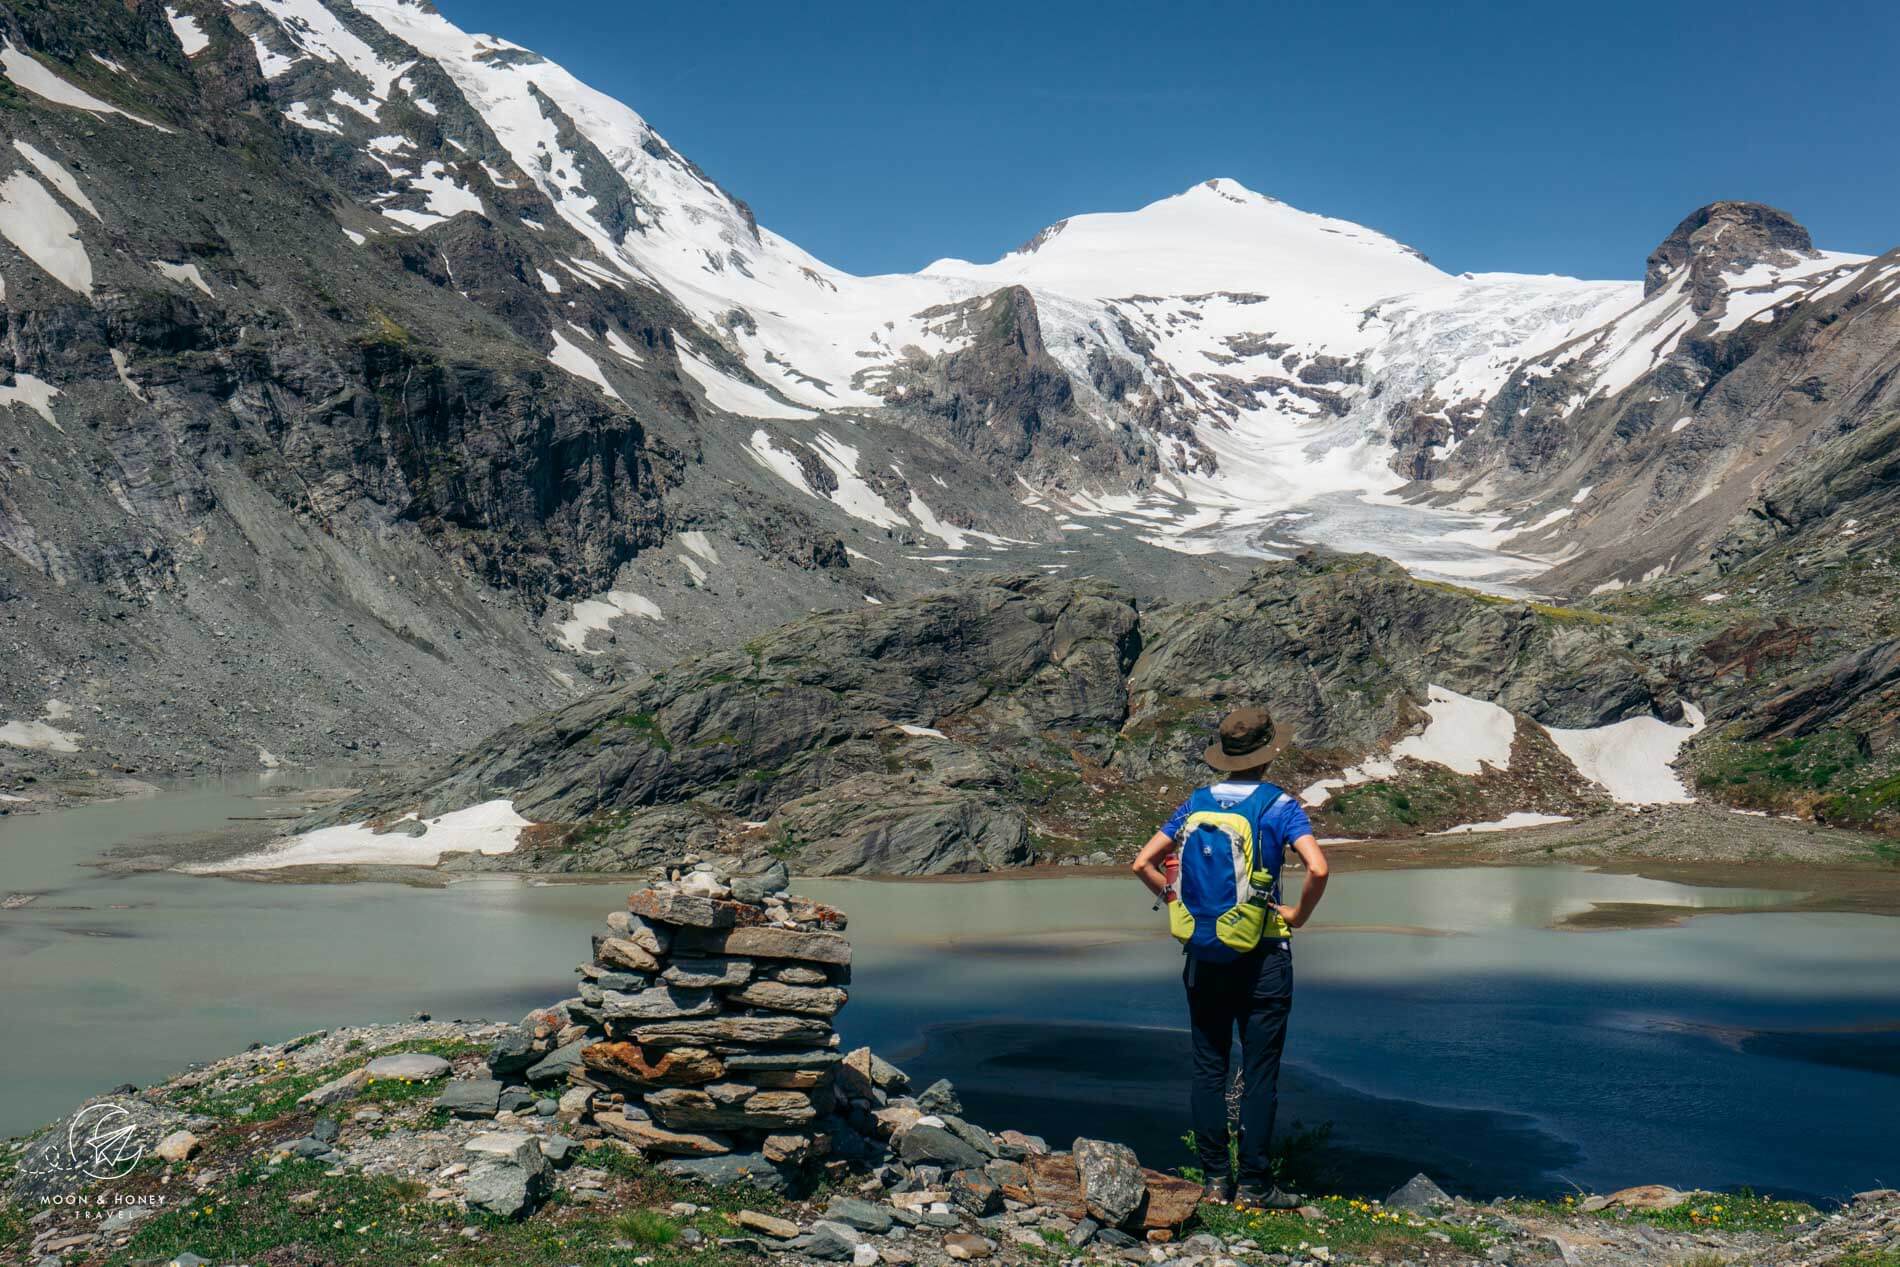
(1292, 916)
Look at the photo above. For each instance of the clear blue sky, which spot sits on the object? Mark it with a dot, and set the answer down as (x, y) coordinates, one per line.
(1531, 137)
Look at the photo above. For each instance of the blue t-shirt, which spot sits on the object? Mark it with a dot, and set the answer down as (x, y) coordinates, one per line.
(1282, 821)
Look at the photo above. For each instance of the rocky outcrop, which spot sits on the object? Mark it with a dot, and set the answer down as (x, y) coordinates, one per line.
(1003, 397)
(948, 733)
(1723, 237)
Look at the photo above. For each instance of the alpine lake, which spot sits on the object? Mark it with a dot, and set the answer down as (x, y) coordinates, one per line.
(1445, 1019)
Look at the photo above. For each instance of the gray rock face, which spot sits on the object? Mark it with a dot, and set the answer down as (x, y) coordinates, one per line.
(728, 715)
(1724, 237)
(1111, 1179)
(1343, 647)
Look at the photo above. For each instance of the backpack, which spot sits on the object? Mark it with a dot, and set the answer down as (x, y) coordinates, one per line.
(1229, 880)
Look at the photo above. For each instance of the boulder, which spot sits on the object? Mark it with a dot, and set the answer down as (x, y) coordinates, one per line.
(335, 1091)
(877, 1071)
(895, 1119)
(704, 884)
(964, 1246)
(1171, 1201)
(508, 1176)
(934, 1146)
(653, 938)
(1054, 1184)
(976, 1193)
(622, 952)
(792, 1149)
(828, 1241)
(471, 1097)
(1112, 1186)
(1418, 1193)
(512, 1052)
(1649, 1196)
(408, 1066)
(975, 1136)
(177, 1146)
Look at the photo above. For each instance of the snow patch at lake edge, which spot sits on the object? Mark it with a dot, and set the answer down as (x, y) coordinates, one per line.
(491, 827)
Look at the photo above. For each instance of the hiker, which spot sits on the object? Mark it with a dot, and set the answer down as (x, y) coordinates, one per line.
(1223, 848)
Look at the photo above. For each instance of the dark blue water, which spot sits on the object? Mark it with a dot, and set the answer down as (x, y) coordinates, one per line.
(1732, 1050)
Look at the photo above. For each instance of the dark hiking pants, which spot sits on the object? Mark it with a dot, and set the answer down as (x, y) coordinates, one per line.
(1253, 994)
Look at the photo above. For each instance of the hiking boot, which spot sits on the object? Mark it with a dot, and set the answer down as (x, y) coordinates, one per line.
(1218, 1192)
(1254, 1197)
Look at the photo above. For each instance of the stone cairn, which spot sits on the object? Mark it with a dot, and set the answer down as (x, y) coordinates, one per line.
(702, 1038)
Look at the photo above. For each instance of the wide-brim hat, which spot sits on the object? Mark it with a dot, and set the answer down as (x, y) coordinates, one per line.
(1248, 738)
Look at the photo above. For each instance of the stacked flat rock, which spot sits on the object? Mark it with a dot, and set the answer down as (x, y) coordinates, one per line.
(702, 1032)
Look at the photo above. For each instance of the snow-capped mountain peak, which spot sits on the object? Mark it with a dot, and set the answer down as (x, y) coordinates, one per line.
(1216, 235)
(1249, 373)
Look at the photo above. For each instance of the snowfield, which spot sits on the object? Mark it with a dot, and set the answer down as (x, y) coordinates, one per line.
(32, 219)
(1632, 760)
(492, 827)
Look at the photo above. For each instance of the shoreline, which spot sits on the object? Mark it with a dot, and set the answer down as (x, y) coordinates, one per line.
(1829, 870)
